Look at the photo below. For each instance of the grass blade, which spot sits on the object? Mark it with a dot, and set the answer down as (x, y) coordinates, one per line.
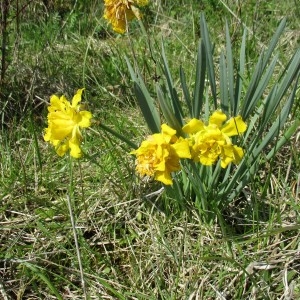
(44, 278)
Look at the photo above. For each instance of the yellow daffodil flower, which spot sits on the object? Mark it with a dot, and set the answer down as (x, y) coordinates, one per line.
(159, 155)
(64, 122)
(208, 143)
(119, 12)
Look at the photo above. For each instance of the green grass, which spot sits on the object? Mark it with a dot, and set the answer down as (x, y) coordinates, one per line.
(134, 243)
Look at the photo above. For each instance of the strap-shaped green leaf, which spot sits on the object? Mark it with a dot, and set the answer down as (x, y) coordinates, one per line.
(198, 187)
(145, 101)
(289, 74)
(148, 109)
(240, 74)
(186, 92)
(269, 105)
(284, 139)
(257, 87)
(199, 81)
(252, 95)
(230, 72)
(209, 58)
(119, 136)
(275, 40)
(278, 124)
(244, 180)
(224, 86)
(252, 170)
(177, 106)
(168, 111)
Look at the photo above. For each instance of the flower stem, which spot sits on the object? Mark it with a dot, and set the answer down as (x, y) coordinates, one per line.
(71, 192)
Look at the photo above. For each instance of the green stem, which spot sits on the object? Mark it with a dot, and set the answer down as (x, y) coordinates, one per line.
(71, 195)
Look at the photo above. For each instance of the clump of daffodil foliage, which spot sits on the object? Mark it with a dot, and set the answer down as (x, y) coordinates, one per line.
(214, 137)
(64, 122)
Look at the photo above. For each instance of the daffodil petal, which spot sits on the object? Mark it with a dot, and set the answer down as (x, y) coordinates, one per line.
(77, 98)
(238, 154)
(85, 119)
(217, 118)
(193, 126)
(207, 159)
(234, 126)
(167, 130)
(182, 148)
(61, 149)
(164, 177)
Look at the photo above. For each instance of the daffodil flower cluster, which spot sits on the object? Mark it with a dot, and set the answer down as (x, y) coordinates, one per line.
(160, 154)
(64, 122)
(119, 12)
(211, 142)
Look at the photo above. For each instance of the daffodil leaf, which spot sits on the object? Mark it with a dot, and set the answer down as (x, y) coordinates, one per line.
(259, 84)
(209, 57)
(186, 92)
(196, 181)
(230, 73)
(147, 107)
(284, 139)
(146, 103)
(167, 111)
(278, 124)
(223, 85)
(119, 136)
(290, 73)
(255, 89)
(199, 81)
(240, 75)
(178, 111)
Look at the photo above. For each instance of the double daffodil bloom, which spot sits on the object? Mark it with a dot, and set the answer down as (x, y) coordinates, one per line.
(212, 141)
(119, 12)
(64, 122)
(159, 155)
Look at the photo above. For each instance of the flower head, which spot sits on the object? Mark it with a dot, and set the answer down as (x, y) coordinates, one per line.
(119, 12)
(159, 155)
(212, 141)
(64, 122)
